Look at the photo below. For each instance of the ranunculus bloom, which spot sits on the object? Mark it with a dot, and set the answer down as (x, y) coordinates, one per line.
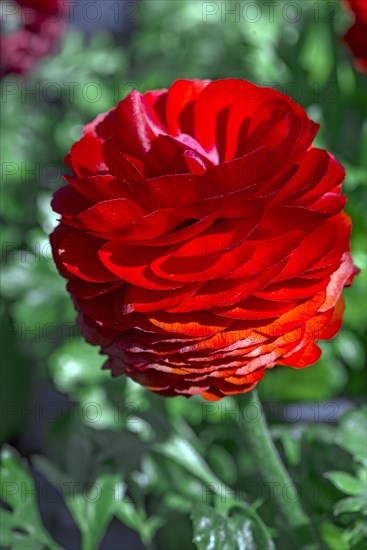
(203, 237)
(39, 25)
(356, 35)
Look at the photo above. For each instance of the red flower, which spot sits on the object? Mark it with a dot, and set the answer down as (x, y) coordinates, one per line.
(203, 237)
(40, 23)
(356, 35)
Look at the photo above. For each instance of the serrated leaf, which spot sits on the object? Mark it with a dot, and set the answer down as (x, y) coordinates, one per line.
(214, 531)
(93, 510)
(136, 519)
(22, 527)
(345, 482)
(93, 507)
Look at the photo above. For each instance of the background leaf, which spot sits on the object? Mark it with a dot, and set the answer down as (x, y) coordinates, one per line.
(345, 482)
(21, 524)
(214, 531)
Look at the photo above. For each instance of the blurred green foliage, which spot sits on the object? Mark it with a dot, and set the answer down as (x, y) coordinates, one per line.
(170, 452)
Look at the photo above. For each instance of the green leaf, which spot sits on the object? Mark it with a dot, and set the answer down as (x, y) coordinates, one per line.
(351, 504)
(91, 504)
(353, 433)
(93, 510)
(22, 527)
(316, 55)
(183, 453)
(214, 531)
(291, 445)
(75, 366)
(345, 482)
(136, 519)
(358, 534)
(177, 502)
(334, 537)
(318, 382)
(362, 476)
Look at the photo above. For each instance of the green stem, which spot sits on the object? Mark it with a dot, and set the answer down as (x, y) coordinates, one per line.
(272, 470)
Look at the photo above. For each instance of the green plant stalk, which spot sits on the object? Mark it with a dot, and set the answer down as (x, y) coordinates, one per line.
(273, 471)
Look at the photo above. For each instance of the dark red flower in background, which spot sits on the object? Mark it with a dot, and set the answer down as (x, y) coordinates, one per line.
(30, 30)
(203, 237)
(356, 35)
